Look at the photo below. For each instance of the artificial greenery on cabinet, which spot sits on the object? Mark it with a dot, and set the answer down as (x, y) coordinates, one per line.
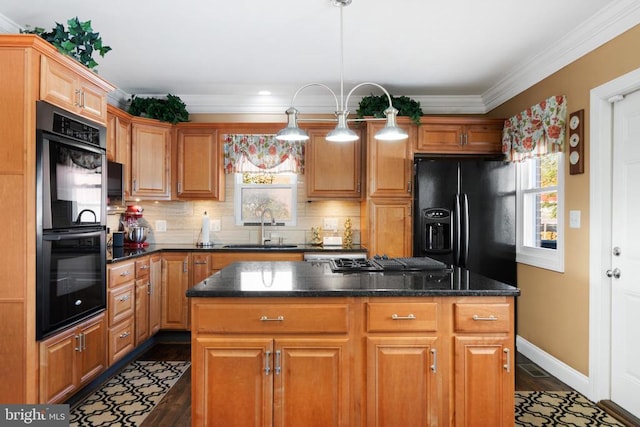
(79, 41)
(171, 109)
(374, 105)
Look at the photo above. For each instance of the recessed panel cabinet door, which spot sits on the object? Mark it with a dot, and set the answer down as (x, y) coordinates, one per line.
(200, 170)
(236, 388)
(150, 159)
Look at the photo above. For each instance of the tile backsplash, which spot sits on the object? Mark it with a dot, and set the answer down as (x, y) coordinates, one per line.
(184, 219)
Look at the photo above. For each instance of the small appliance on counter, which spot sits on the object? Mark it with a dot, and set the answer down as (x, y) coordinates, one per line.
(135, 235)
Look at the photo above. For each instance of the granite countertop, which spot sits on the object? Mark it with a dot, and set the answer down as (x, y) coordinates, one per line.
(315, 279)
(117, 254)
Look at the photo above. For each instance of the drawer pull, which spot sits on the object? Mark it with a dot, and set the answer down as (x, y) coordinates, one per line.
(125, 334)
(491, 318)
(411, 316)
(272, 319)
(123, 298)
(144, 267)
(125, 273)
(200, 262)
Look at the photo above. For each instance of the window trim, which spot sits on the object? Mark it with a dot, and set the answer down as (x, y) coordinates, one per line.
(549, 259)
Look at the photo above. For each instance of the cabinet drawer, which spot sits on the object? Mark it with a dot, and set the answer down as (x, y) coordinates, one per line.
(121, 303)
(272, 318)
(121, 273)
(121, 340)
(142, 268)
(482, 317)
(391, 317)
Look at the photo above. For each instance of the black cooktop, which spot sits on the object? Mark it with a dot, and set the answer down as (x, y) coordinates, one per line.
(342, 265)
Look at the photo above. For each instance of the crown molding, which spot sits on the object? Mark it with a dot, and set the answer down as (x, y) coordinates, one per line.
(8, 26)
(609, 23)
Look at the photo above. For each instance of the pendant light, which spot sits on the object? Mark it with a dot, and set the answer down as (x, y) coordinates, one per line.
(342, 133)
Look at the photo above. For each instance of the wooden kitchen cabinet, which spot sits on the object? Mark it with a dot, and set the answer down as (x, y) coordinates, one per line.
(484, 363)
(386, 227)
(200, 167)
(64, 87)
(150, 159)
(455, 135)
(155, 296)
(119, 142)
(390, 163)
(201, 266)
(121, 309)
(333, 170)
(143, 299)
(404, 378)
(71, 359)
(175, 282)
(293, 370)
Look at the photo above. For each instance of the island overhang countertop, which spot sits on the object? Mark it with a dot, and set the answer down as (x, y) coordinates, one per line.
(315, 279)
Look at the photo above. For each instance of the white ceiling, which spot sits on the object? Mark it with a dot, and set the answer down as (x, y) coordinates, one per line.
(454, 56)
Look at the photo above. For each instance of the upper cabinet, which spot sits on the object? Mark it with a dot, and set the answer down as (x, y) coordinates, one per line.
(63, 87)
(200, 171)
(390, 163)
(460, 135)
(119, 142)
(150, 159)
(333, 170)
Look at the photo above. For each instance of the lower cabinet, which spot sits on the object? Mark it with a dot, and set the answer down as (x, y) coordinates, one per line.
(71, 359)
(175, 282)
(155, 293)
(384, 361)
(388, 226)
(266, 381)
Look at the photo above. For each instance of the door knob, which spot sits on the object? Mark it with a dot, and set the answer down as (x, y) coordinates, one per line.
(615, 273)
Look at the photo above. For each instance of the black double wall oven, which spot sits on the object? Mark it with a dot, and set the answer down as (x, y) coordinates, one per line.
(71, 219)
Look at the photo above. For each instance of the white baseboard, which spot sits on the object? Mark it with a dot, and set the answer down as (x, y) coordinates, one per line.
(555, 367)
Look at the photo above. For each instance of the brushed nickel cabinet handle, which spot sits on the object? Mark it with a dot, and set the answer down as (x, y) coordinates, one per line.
(78, 339)
(410, 316)
(272, 319)
(125, 273)
(125, 334)
(491, 318)
(507, 366)
(277, 363)
(267, 363)
(434, 356)
(123, 298)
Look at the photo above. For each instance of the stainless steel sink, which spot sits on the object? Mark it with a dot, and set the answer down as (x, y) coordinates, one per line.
(258, 246)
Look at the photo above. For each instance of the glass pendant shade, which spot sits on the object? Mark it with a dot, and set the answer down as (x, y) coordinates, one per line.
(292, 132)
(342, 133)
(391, 131)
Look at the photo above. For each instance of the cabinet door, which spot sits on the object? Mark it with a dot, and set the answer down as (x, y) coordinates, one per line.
(235, 382)
(390, 227)
(402, 382)
(119, 142)
(142, 310)
(460, 135)
(201, 266)
(150, 159)
(155, 295)
(333, 169)
(311, 385)
(58, 366)
(175, 282)
(200, 168)
(483, 138)
(93, 101)
(389, 164)
(484, 381)
(440, 138)
(93, 357)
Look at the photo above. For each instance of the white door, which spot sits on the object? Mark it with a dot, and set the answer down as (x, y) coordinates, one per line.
(625, 257)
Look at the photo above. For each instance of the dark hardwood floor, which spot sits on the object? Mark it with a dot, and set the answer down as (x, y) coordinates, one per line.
(175, 408)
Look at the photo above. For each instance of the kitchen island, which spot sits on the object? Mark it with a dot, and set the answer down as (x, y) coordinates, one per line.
(295, 344)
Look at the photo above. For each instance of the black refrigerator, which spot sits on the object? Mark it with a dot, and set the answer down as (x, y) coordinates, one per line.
(464, 214)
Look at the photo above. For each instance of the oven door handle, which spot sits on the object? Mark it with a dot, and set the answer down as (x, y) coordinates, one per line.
(64, 235)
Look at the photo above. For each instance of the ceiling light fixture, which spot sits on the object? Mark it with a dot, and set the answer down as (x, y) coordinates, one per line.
(342, 133)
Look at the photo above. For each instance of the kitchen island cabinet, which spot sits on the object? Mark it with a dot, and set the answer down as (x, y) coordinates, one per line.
(421, 348)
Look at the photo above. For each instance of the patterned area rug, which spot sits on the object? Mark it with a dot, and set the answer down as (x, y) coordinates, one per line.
(127, 398)
(559, 409)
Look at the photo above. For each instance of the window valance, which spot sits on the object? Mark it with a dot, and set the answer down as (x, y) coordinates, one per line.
(262, 153)
(536, 131)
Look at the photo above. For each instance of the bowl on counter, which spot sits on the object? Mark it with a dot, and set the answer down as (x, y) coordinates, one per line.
(136, 234)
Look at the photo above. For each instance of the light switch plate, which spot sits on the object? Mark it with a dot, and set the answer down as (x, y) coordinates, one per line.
(161, 226)
(215, 224)
(574, 219)
(330, 224)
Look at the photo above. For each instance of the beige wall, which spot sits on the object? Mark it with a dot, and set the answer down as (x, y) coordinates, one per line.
(553, 310)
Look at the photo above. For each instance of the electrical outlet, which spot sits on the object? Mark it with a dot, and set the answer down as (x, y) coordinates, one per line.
(331, 224)
(161, 226)
(215, 225)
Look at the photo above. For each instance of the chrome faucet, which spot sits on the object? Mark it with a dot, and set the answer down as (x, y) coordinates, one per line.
(263, 238)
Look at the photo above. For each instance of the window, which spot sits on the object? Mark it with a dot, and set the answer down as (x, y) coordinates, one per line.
(539, 239)
(255, 192)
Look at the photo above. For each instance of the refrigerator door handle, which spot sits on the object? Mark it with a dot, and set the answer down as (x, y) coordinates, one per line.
(464, 208)
(457, 231)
